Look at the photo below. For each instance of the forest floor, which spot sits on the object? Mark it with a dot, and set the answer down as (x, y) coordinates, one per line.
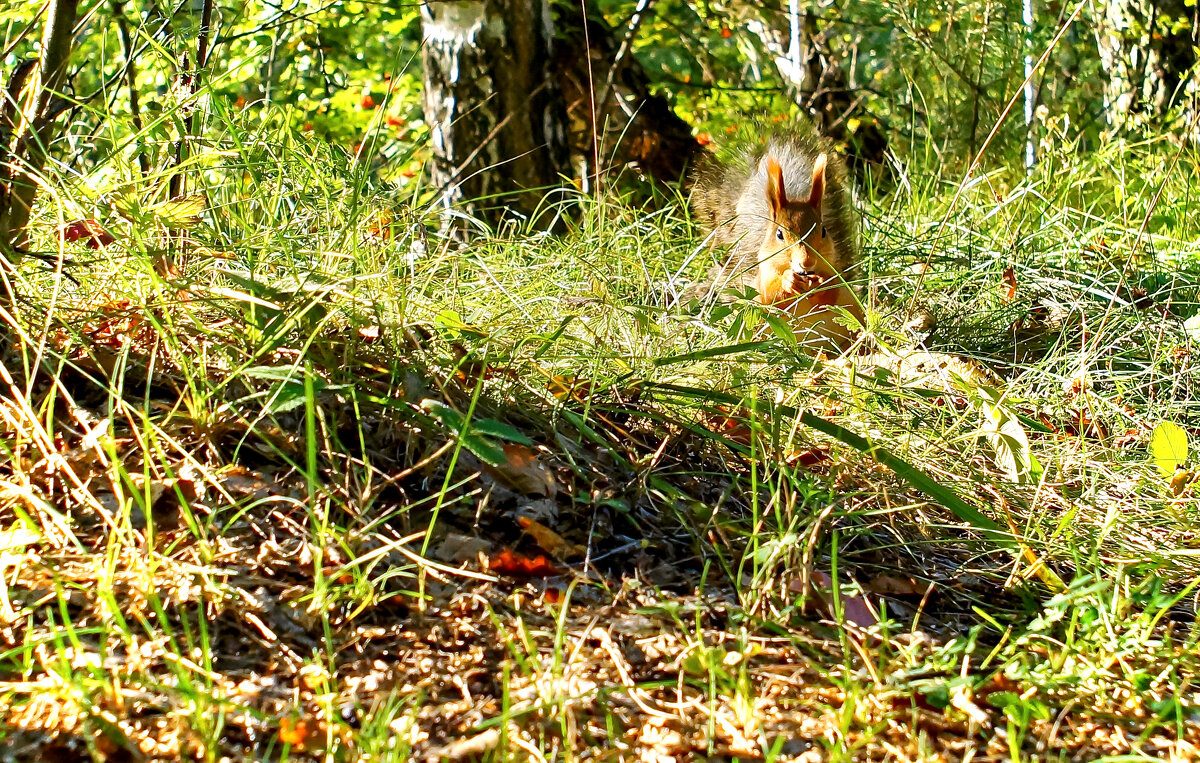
(330, 491)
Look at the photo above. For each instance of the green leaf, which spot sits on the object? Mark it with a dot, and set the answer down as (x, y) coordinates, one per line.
(1168, 447)
(501, 430)
(781, 328)
(472, 439)
(937, 695)
(1003, 699)
(913, 476)
(712, 352)
(1007, 437)
(274, 373)
(290, 393)
(449, 319)
(289, 396)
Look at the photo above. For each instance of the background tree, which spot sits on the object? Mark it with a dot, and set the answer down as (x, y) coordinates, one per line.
(803, 50)
(616, 118)
(28, 122)
(493, 105)
(1148, 49)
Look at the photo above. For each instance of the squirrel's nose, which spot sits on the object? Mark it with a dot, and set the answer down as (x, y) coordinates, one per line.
(806, 259)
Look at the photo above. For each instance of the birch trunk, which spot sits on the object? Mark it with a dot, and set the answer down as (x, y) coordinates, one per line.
(822, 87)
(495, 112)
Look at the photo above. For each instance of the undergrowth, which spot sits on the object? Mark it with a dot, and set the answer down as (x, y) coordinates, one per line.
(294, 475)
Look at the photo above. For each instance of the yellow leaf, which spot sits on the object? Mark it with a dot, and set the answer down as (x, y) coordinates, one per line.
(1168, 447)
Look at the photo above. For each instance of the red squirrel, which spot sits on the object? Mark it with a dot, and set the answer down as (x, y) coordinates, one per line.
(783, 211)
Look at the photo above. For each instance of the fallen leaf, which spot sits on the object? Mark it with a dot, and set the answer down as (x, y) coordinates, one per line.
(1168, 447)
(732, 426)
(549, 541)
(808, 458)
(573, 387)
(1181, 479)
(380, 226)
(472, 747)
(855, 610)
(1010, 278)
(889, 585)
(524, 472)
(296, 732)
(89, 231)
(509, 562)
(458, 548)
(1130, 437)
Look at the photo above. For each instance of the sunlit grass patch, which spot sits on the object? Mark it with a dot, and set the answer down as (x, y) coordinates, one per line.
(332, 485)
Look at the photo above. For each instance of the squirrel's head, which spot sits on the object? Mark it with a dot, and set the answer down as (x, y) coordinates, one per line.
(796, 225)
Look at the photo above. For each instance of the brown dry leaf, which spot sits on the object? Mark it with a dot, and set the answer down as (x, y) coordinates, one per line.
(732, 426)
(1010, 278)
(458, 548)
(549, 541)
(524, 472)
(472, 370)
(509, 562)
(889, 585)
(1130, 437)
(297, 732)
(368, 333)
(165, 497)
(809, 457)
(379, 226)
(467, 747)
(108, 330)
(855, 610)
(573, 387)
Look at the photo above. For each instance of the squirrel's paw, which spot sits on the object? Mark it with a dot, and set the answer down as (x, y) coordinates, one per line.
(788, 283)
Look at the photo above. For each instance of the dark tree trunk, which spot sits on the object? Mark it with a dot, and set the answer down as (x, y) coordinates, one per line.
(28, 124)
(615, 121)
(493, 105)
(1147, 50)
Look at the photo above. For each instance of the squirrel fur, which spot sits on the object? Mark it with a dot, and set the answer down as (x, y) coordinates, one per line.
(782, 210)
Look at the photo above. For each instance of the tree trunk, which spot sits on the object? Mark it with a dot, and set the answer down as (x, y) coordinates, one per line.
(615, 121)
(1146, 48)
(493, 106)
(28, 124)
(821, 86)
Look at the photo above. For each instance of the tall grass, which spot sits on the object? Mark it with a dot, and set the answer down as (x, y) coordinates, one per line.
(226, 483)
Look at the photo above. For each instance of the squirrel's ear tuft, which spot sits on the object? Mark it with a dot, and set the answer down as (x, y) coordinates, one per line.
(818, 182)
(776, 196)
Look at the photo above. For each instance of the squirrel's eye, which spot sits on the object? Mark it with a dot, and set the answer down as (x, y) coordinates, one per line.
(779, 233)
(823, 233)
